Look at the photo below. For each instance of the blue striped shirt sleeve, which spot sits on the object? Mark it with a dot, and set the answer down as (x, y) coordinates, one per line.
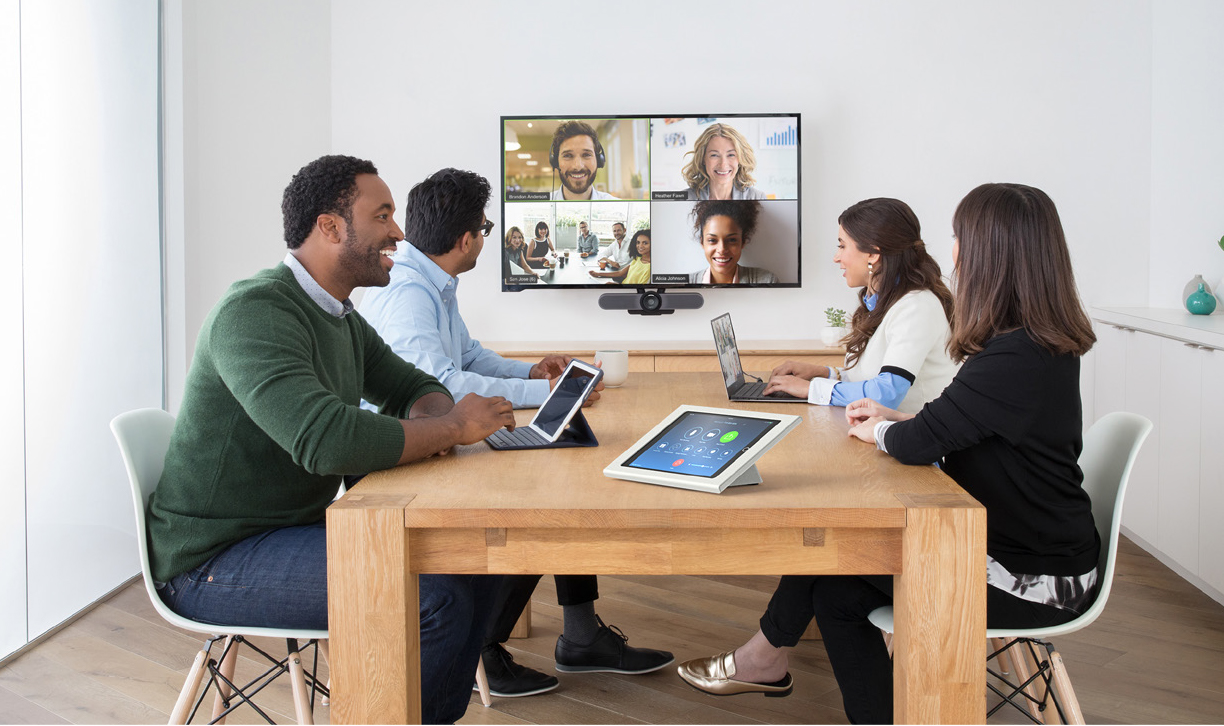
(888, 389)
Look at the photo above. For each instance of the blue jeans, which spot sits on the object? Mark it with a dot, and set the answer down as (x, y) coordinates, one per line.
(278, 579)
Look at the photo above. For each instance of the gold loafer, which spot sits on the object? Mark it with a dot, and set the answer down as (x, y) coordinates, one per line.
(716, 676)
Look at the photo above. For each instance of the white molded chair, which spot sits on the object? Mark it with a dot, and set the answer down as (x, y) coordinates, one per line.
(144, 438)
(1110, 448)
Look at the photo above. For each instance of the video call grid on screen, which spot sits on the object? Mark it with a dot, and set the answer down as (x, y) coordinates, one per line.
(635, 176)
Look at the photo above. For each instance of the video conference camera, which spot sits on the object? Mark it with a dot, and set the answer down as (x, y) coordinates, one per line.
(651, 302)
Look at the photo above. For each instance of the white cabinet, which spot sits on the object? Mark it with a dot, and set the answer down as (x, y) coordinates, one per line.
(1180, 388)
(1211, 473)
(1125, 366)
(1169, 367)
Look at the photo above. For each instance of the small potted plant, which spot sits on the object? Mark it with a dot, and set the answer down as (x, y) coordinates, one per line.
(836, 330)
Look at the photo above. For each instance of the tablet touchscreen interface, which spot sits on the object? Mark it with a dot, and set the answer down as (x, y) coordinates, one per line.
(700, 444)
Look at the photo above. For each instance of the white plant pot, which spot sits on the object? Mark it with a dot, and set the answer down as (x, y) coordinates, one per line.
(831, 336)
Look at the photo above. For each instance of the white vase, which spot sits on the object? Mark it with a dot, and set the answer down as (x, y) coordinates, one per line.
(830, 336)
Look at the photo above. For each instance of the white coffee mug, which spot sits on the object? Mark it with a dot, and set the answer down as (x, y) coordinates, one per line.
(615, 364)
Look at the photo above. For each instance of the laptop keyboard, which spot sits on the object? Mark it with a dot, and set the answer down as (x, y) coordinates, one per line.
(757, 390)
(521, 436)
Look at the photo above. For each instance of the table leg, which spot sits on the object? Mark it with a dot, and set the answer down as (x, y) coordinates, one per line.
(373, 612)
(939, 656)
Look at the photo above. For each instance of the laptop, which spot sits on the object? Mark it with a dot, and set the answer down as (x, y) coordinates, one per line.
(559, 421)
(733, 373)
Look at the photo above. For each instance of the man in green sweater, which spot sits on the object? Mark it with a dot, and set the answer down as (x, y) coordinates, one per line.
(271, 422)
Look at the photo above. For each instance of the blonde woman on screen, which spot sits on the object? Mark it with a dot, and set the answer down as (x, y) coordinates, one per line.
(721, 166)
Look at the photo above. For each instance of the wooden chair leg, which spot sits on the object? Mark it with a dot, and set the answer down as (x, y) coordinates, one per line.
(1066, 694)
(191, 687)
(228, 662)
(1021, 661)
(482, 684)
(1004, 658)
(297, 678)
(522, 629)
(325, 651)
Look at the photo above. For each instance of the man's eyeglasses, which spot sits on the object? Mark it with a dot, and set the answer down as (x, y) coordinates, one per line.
(486, 228)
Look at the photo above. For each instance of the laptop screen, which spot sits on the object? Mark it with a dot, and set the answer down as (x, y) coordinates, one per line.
(728, 353)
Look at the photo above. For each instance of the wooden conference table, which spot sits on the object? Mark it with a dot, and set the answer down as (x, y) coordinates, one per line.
(828, 505)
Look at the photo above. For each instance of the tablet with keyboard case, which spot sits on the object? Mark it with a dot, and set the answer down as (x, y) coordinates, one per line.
(559, 421)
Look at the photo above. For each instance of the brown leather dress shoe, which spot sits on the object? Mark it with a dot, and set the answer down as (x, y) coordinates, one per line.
(715, 676)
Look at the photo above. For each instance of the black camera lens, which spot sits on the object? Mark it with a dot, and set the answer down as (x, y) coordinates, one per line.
(651, 301)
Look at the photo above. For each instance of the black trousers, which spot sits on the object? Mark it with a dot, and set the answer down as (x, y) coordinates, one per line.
(841, 604)
(516, 591)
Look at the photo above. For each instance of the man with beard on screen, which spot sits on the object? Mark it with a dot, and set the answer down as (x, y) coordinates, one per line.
(576, 154)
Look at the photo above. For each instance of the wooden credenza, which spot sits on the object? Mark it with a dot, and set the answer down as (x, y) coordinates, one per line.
(686, 356)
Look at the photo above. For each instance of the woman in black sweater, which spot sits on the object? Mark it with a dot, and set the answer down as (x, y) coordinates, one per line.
(1007, 430)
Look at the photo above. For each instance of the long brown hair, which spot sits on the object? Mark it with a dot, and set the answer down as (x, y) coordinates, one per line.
(1014, 271)
(890, 228)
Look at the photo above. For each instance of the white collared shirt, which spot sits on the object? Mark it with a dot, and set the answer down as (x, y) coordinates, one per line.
(315, 291)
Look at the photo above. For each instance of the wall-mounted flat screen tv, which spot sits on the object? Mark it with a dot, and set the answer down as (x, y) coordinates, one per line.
(650, 201)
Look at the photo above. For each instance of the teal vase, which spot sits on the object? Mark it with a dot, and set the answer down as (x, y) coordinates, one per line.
(1201, 302)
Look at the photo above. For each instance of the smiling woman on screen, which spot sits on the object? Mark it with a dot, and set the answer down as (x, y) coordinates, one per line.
(724, 229)
(721, 166)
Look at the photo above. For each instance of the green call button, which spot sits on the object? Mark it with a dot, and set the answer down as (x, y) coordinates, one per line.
(729, 437)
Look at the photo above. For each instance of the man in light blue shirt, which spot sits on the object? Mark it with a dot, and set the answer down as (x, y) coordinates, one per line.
(588, 243)
(417, 314)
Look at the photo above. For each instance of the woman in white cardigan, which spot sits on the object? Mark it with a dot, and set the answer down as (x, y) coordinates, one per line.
(896, 353)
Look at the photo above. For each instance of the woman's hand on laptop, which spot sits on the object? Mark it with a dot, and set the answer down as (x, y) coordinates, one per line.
(794, 385)
(806, 371)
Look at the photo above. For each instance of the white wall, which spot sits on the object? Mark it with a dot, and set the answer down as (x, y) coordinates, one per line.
(1187, 147)
(12, 378)
(1112, 107)
(256, 106)
(90, 302)
(921, 101)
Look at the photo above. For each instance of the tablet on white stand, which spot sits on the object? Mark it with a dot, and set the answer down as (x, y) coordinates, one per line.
(704, 449)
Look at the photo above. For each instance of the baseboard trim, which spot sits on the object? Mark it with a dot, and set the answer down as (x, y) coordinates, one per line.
(68, 621)
(1172, 564)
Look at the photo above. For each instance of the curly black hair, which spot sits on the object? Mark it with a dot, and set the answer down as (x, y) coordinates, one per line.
(327, 185)
(442, 208)
(743, 212)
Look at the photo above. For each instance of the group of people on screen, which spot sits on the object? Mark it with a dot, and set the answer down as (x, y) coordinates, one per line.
(724, 208)
(292, 391)
(723, 229)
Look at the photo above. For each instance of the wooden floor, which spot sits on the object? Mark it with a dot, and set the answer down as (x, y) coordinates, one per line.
(1155, 656)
